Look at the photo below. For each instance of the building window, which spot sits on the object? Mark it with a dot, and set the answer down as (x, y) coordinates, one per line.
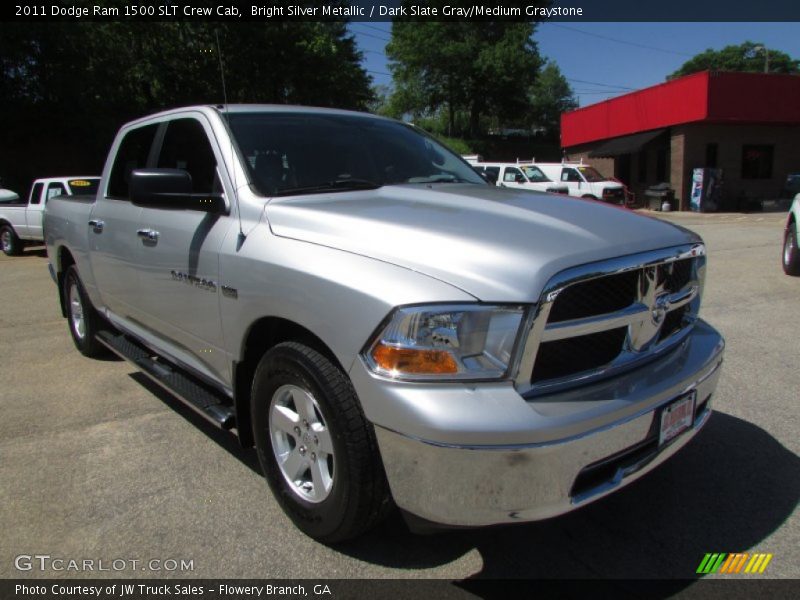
(711, 155)
(757, 161)
(642, 160)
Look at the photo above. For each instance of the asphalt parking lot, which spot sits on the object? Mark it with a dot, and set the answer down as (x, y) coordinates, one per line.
(97, 463)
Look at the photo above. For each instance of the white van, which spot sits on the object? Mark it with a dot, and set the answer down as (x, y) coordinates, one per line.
(584, 181)
(518, 175)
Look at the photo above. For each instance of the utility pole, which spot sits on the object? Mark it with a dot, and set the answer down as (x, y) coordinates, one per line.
(766, 56)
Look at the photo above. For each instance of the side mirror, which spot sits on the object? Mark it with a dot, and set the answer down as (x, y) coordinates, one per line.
(171, 189)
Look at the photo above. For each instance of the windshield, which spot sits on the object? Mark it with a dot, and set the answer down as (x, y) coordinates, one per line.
(591, 174)
(292, 153)
(83, 187)
(534, 174)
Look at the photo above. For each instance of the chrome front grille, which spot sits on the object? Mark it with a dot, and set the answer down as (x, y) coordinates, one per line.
(601, 318)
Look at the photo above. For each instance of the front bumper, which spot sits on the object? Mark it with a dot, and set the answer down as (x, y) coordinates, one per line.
(550, 454)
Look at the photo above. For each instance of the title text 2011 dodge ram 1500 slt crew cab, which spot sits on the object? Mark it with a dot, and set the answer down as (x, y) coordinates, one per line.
(351, 297)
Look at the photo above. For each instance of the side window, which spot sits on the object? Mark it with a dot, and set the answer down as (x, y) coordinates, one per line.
(36, 193)
(512, 174)
(54, 189)
(494, 170)
(132, 154)
(570, 175)
(186, 147)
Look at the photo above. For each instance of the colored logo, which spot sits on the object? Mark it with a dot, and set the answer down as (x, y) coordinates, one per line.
(735, 563)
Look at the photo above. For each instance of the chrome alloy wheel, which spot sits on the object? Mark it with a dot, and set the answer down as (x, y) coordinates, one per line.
(301, 443)
(76, 317)
(5, 241)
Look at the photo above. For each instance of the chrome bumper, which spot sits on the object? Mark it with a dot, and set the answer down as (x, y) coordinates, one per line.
(609, 443)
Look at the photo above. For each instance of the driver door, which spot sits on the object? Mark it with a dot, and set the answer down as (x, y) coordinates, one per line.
(178, 254)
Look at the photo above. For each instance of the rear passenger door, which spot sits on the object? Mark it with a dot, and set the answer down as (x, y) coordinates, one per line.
(178, 254)
(111, 228)
(33, 214)
(35, 217)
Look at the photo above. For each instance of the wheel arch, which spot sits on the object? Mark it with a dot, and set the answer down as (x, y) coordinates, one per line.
(262, 335)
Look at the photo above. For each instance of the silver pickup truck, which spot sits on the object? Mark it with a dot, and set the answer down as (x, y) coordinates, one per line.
(386, 328)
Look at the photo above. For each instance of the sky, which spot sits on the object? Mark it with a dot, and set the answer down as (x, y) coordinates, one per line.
(602, 60)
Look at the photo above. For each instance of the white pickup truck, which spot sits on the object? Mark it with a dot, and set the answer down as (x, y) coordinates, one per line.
(518, 175)
(23, 222)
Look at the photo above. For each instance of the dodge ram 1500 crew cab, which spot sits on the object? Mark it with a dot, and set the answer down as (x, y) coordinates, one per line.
(349, 296)
(22, 223)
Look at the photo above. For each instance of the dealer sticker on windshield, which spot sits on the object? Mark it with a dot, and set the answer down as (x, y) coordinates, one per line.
(677, 417)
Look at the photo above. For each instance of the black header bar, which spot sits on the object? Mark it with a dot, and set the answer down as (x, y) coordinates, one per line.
(266, 11)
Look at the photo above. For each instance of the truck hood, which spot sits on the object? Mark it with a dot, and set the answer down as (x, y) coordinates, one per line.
(497, 244)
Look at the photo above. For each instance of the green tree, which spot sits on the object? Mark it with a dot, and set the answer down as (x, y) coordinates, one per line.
(65, 88)
(749, 57)
(551, 95)
(480, 68)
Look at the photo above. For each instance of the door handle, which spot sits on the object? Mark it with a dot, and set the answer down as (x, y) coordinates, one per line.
(97, 225)
(148, 235)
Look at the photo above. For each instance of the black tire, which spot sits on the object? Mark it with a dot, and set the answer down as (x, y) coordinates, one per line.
(75, 300)
(589, 197)
(358, 497)
(791, 253)
(10, 243)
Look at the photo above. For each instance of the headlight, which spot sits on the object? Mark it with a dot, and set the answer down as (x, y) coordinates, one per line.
(446, 342)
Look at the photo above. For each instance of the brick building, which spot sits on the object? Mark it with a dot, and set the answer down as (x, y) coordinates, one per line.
(747, 124)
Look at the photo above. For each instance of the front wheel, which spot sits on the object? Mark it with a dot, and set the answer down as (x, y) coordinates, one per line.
(9, 242)
(316, 448)
(83, 320)
(589, 197)
(791, 253)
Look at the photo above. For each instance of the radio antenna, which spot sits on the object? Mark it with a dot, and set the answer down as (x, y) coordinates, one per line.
(242, 236)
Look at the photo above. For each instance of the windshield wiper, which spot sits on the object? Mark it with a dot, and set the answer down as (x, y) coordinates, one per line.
(335, 185)
(355, 184)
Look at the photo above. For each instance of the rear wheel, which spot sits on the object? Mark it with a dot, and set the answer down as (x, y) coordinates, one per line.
(316, 448)
(9, 242)
(791, 253)
(589, 197)
(84, 322)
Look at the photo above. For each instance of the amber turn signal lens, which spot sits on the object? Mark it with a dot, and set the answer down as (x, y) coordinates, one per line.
(408, 360)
